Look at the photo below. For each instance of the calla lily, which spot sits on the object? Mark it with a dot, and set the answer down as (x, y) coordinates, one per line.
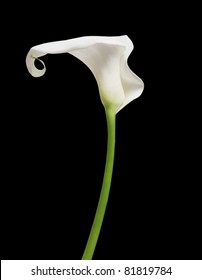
(106, 57)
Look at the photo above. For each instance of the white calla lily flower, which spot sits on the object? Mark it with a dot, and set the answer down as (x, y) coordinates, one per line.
(106, 57)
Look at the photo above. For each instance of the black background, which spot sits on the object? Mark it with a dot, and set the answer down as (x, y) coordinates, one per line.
(54, 138)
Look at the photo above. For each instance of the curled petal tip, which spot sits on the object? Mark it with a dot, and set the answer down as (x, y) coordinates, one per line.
(30, 62)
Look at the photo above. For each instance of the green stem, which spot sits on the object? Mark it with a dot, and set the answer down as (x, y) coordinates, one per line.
(102, 204)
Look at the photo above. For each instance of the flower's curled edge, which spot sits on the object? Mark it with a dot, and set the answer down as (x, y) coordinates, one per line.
(106, 57)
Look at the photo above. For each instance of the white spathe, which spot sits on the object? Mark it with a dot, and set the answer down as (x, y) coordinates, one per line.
(106, 57)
